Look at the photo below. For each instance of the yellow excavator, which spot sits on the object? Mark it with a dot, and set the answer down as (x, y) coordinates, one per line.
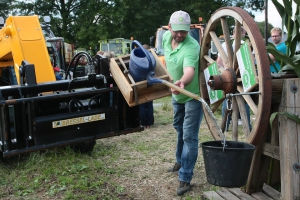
(37, 111)
(21, 39)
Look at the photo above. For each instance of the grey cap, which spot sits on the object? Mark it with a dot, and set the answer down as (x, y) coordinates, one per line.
(180, 21)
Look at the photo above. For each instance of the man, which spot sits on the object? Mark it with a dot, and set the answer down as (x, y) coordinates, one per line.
(182, 61)
(221, 64)
(276, 35)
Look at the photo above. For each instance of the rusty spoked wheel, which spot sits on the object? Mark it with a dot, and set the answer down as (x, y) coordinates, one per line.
(258, 98)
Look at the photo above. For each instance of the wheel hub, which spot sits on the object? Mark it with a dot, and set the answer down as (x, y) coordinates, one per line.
(227, 81)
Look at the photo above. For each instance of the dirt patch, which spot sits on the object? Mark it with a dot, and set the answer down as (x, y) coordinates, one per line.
(145, 173)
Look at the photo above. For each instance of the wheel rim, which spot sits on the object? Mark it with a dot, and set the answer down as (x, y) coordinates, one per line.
(259, 104)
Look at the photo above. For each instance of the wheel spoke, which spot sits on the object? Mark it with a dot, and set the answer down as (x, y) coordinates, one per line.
(237, 44)
(249, 100)
(244, 117)
(218, 44)
(227, 42)
(235, 117)
(209, 59)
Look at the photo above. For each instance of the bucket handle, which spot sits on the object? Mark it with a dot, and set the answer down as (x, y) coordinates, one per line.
(146, 52)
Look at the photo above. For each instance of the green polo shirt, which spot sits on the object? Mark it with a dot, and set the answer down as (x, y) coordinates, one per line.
(186, 54)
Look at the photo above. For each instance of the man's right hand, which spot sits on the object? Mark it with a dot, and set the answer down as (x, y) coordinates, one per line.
(179, 84)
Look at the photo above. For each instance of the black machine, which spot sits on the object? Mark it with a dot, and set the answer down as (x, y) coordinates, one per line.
(36, 114)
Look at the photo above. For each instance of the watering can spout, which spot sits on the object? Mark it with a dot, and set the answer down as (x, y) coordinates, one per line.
(151, 80)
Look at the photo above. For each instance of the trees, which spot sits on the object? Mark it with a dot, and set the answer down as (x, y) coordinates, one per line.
(85, 22)
(249, 4)
(261, 26)
(5, 7)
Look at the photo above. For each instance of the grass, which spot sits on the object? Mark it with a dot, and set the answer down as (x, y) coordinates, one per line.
(165, 100)
(125, 167)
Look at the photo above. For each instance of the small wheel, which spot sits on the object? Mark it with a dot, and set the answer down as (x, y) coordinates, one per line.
(259, 103)
(83, 147)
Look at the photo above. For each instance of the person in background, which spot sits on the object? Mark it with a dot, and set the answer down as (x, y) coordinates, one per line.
(182, 62)
(146, 109)
(100, 52)
(276, 35)
(221, 64)
(109, 54)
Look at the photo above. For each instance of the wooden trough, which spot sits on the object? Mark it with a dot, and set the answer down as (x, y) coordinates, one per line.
(137, 93)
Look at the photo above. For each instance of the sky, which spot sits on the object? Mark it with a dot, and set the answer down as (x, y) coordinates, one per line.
(273, 16)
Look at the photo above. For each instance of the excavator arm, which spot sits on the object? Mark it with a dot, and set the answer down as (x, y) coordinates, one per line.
(22, 39)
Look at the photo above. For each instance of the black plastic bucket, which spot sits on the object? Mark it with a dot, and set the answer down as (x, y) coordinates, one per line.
(228, 168)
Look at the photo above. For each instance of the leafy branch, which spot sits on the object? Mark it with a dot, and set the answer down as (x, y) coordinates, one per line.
(292, 24)
(293, 117)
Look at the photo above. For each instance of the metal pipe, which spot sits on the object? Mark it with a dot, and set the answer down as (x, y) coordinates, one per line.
(240, 94)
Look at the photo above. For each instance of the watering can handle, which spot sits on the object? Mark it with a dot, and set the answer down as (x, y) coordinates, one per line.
(146, 52)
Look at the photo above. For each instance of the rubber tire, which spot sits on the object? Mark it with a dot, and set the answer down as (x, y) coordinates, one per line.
(84, 147)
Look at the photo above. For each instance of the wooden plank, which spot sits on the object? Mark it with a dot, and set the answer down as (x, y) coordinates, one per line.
(271, 150)
(289, 140)
(160, 68)
(253, 183)
(237, 192)
(260, 165)
(223, 192)
(212, 195)
(124, 66)
(121, 81)
(271, 192)
(277, 85)
(260, 196)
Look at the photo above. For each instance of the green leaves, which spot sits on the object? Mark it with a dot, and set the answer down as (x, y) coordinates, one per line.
(291, 61)
(288, 7)
(288, 115)
(292, 24)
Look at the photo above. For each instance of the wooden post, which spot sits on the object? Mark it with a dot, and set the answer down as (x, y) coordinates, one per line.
(267, 149)
(289, 140)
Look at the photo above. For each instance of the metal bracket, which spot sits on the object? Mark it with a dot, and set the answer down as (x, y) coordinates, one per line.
(229, 104)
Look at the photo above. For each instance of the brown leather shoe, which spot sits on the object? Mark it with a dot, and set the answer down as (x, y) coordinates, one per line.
(176, 168)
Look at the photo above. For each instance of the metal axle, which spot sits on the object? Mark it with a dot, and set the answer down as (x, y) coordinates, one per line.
(239, 94)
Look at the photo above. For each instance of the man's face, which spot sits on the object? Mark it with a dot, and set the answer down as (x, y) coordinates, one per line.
(276, 37)
(178, 36)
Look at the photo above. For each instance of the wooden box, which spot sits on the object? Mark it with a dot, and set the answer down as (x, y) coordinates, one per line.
(136, 93)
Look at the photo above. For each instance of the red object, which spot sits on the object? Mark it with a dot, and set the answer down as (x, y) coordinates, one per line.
(56, 69)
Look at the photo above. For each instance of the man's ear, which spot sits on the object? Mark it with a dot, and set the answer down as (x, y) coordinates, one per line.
(169, 25)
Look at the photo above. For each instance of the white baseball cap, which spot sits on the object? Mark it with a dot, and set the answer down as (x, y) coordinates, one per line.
(180, 21)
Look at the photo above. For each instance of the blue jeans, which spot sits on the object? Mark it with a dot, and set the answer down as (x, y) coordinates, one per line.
(146, 114)
(187, 119)
(224, 107)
